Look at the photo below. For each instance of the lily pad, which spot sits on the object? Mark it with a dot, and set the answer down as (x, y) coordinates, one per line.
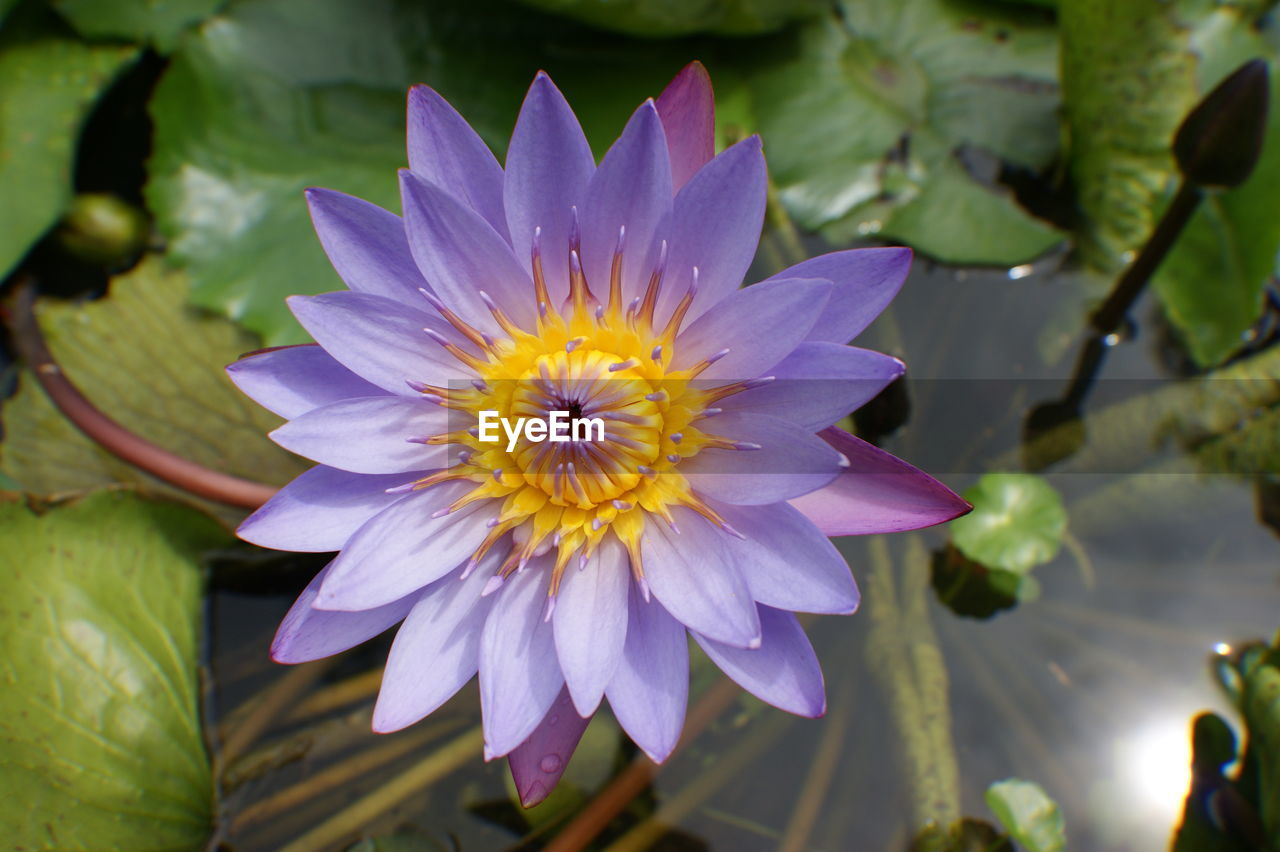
(100, 741)
(275, 96)
(1017, 522)
(48, 82)
(1028, 814)
(863, 114)
(680, 17)
(156, 367)
(156, 23)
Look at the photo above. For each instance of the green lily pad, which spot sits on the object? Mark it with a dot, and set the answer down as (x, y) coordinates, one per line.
(1028, 814)
(156, 367)
(863, 115)
(679, 17)
(100, 741)
(150, 21)
(275, 96)
(1017, 522)
(48, 82)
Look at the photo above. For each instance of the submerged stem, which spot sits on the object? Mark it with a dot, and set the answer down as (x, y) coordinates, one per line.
(902, 651)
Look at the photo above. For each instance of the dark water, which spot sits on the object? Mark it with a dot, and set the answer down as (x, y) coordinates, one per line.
(1088, 690)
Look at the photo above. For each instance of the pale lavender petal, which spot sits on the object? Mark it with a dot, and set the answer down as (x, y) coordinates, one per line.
(693, 575)
(319, 510)
(866, 280)
(462, 255)
(436, 650)
(292, 380)
(788, 461)
(369, 435)
(445, 150)
(403, 548)
(538, 762)
(783, 671)
(632, 187)
(308, 634)
(549, 164)
(380, 340)
(519, 675)
(650, 689)
(787, 562)
(687, 107)
(715, 226)
(366, 245)
(590, 623)
(819, 383)
(759, 325)
(877, 493)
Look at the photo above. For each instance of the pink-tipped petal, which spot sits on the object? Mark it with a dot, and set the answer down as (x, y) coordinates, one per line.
(445, 150)
(538, 762)
(687, 107)
(877, 493)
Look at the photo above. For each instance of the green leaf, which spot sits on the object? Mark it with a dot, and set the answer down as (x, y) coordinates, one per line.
(48, 82)
(862, 117)
(1213, 280)
(156, 22)
(1017, 522)
(156, 367)
(100, 741)
(276, 96)
(680, 17)
(1028, 814)
(1128, 78)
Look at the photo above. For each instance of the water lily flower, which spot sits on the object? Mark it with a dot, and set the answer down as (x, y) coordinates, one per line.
(567, 572)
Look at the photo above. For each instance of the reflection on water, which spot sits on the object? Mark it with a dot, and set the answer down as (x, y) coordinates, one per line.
(1089, 690)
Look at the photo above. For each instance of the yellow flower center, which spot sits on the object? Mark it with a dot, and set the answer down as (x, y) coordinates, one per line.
(598, 364)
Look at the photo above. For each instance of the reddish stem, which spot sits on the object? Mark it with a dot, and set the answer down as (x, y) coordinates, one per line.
(98, 427)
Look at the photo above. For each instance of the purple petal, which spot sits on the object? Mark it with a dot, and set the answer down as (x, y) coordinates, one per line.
(877, 493)
(549, 164)
(319, 510)
(436, 650)
(369, 435)
(366, 245)
(308, 634)
(591, 623)
(632, 187)
(693, 575)
(759, 325)
(461, 255)
(538, 762)
(380, 340)
(650, 690)
(715, 226)
(783, 671)
(292, 380)
(403, 548)
(687, 107)
(819, 383)
(787, 562)
(866, 280)
(446, 151)
(519, 675)
(788, 463)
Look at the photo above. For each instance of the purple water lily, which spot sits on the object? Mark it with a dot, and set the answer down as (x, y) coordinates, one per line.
(569, 571)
